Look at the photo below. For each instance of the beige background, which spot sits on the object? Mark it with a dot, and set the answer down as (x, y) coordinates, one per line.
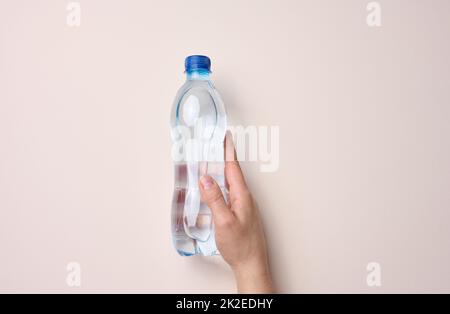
(85, 169)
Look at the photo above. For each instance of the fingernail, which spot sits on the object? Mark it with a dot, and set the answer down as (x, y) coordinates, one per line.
(207, 182)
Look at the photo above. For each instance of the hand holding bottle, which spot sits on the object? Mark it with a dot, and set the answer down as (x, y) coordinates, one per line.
(239, 232)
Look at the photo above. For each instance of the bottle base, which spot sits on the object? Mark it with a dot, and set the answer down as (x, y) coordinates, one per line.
(183, 253)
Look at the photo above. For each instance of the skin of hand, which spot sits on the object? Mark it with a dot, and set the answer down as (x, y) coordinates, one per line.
(239, 232)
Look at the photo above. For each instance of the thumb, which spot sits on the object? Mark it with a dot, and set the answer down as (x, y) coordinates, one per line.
(212, 196)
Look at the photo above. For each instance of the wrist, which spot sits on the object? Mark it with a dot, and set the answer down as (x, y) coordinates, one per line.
(253, 277)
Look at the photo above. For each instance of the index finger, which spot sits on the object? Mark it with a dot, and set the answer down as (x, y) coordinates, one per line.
(233, 173)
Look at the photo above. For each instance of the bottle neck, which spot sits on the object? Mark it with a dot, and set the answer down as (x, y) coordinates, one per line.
(198, 75)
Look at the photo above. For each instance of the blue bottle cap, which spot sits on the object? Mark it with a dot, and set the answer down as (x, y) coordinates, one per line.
(195, 63)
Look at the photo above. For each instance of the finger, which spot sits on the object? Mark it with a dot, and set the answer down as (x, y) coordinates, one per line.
(233, 172)
(212, 196)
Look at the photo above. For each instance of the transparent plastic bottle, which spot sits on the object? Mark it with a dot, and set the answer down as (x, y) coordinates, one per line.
(198, 126)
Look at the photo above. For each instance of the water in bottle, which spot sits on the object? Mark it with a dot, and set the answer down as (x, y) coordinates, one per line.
(198, 125)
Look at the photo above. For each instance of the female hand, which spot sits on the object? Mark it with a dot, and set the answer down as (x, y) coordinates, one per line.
(239, 232)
